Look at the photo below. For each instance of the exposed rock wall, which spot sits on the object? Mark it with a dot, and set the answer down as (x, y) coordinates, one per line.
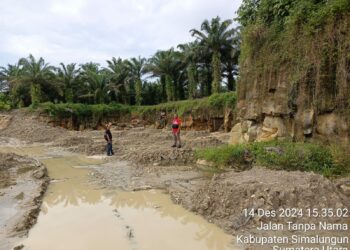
(194, 120)
(303, 94)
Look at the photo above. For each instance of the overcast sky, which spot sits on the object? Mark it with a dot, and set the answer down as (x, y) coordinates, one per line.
(96, 30)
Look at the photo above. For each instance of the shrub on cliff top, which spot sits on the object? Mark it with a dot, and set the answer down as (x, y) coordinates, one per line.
(83, 110)
(5, 103)
(214, 102)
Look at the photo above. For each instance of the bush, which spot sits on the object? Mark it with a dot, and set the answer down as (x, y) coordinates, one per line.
(223, 156)
(223, 100)
(282, 155)
(216, 102)
(94, 114)
(84, 112)
(5, 104)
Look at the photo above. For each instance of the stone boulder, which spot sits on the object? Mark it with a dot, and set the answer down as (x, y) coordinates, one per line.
(272, 128)
(5, 121)
(237, 136)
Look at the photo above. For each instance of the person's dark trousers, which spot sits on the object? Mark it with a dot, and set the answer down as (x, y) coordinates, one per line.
(110, 149)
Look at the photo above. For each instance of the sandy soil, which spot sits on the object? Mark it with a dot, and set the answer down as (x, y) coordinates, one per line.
(144, 159)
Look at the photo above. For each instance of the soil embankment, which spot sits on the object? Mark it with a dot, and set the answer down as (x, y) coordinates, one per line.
(23, 182)
(145, 160)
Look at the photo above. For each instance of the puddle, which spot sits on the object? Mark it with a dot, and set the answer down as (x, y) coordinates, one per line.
(77, 215)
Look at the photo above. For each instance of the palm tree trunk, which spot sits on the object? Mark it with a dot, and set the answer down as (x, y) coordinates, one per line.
(192, 85)
(216, 64)
(69, 95)
(231, 84)
(35, 93)
(163, 88)
(208, 86)
(138, 92)
(169, 88)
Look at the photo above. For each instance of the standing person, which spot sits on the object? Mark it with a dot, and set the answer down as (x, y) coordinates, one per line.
(108, 138)
(176, 124)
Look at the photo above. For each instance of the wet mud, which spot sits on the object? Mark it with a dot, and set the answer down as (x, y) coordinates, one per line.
(146, 166)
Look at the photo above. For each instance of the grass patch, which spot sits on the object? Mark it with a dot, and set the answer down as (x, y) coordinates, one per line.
(223, 156)
(330, 161)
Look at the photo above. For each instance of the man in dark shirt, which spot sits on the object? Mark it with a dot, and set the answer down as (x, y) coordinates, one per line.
(108, 138)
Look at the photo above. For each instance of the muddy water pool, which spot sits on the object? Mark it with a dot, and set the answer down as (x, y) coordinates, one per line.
(76, 214)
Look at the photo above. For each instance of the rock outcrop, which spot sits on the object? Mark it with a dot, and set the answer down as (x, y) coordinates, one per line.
(299, 90)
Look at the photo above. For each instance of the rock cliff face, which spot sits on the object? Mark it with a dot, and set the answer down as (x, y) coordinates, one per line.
(300, 89)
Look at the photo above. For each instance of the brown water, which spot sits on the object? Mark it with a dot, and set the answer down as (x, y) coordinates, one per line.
(77, 215)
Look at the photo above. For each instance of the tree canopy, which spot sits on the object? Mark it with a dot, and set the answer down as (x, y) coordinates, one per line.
(206, 65)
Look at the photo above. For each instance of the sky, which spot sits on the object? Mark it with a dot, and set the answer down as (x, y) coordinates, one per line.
(96, 30)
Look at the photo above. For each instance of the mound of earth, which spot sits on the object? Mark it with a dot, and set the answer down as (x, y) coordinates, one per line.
(164, 156)
(26, 127)
(153, 146)
(23, 182)
(5, 121)
(225, 197)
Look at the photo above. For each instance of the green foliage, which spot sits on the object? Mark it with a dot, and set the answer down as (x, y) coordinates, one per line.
(35, 93)
(217, 38)
(64, 110)
(282, 155)
(68, 76)
(341, 159)
(169, 86)
(215, 103)
(223, 100)
(39, 76)
(5, 104)
(278, 19)
(270, 12)
(305, 42)
(93, 114)
(175, 74)
(192, 84)
(248, 12)
(69, 96)
(223, 156)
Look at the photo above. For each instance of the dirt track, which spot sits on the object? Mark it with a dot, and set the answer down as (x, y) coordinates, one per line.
(145, 160)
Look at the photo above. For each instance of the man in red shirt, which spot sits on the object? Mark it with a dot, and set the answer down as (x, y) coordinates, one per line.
(176, 124)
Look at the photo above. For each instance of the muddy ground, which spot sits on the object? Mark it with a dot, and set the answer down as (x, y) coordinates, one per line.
(144, 159)
(23, 182)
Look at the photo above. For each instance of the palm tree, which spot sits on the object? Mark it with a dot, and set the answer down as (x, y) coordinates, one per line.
(10, 82)
(190, 58)
(166, 65)
(231, 60)
(38, 75)
(9, 76)
(118, 73)
(96, 83)
(68, 75)
(216, 37)
(136, 69)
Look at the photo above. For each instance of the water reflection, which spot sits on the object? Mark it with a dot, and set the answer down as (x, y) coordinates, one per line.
(72, 206)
